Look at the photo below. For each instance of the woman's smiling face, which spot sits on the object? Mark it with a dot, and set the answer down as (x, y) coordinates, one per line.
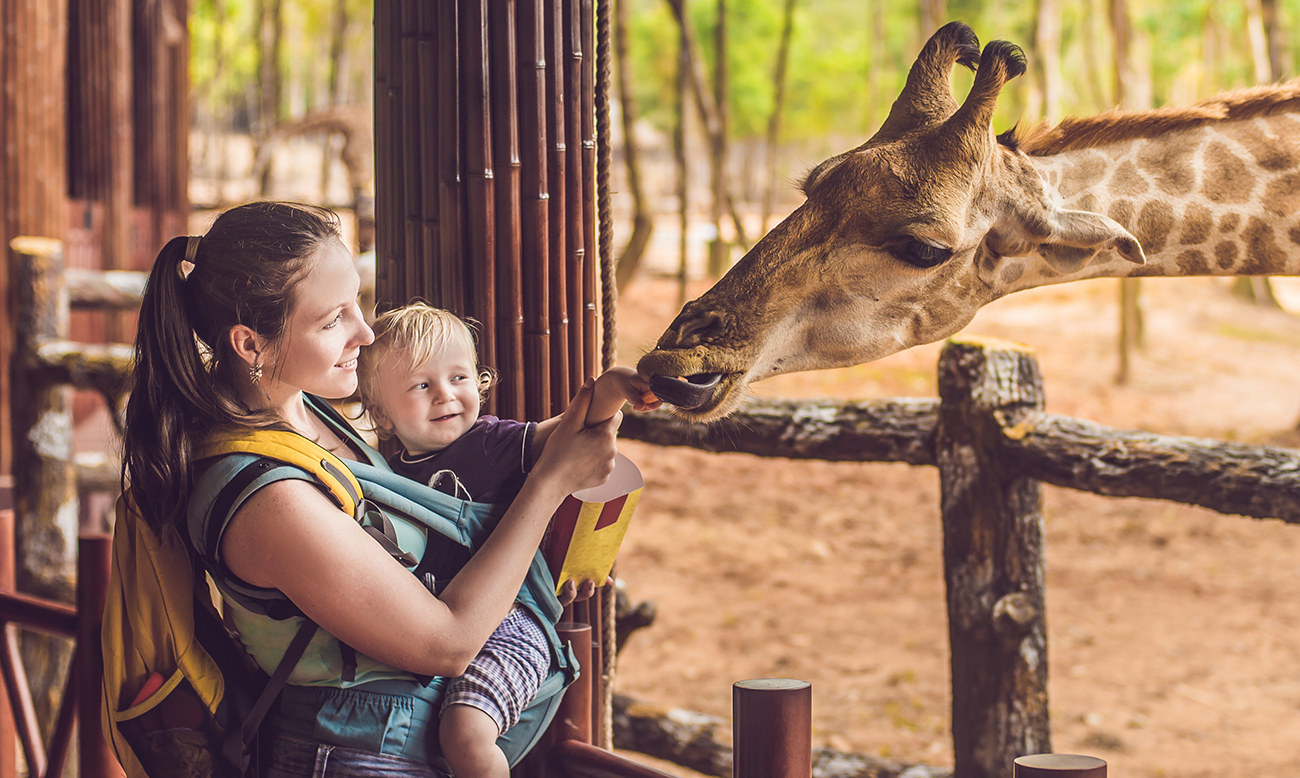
(324, 333)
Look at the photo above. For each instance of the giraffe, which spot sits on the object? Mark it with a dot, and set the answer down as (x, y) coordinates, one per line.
(901, 240)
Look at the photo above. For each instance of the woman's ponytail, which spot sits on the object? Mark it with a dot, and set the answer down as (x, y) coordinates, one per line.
(168, 370)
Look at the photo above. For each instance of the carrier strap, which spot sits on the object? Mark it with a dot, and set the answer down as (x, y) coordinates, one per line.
(235, 749)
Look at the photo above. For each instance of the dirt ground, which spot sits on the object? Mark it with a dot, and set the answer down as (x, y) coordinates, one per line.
(1173, 632)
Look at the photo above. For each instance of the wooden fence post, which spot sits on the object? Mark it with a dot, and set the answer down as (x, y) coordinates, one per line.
(771, 720)
(45, 494)
(993, 558)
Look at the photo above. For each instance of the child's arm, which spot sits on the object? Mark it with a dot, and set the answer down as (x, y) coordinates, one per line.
(613, 388)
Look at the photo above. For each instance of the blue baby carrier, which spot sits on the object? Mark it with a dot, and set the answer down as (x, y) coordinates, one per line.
(335, 695)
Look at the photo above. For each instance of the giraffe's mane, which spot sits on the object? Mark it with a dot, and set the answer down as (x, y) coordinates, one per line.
(1115, 126)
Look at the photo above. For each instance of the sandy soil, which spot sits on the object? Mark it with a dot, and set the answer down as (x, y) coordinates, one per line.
(1174, 632)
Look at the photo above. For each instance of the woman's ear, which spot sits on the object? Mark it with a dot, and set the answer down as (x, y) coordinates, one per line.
(246, 344)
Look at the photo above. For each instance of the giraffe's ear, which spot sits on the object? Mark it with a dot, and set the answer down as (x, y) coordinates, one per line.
(1076, 236)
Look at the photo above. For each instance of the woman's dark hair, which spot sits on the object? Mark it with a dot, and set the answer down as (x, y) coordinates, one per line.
(244, 272)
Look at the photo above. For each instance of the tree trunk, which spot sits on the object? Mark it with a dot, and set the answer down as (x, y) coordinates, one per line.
(1275, 35)
(934, 14)
(642, 221)
(679, 152)
(778, 105)
(1046, 54)
(269, 18)
(718, 248)
(704, 102)
(1261, 29)
(338, 34)
(1130, 290)
(993, 559)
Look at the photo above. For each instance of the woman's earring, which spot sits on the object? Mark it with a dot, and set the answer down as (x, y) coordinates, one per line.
(255, 372)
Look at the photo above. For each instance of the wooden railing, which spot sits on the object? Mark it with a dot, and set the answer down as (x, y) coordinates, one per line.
(994, 444)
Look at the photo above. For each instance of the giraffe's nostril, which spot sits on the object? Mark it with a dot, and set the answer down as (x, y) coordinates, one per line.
(699, 327)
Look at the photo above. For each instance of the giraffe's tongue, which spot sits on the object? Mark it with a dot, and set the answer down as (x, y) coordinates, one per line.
(689, 392)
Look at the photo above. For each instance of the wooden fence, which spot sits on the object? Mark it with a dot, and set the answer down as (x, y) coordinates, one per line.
(993, 444)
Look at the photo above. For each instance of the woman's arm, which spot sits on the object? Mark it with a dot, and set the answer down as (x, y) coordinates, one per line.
(290, 537)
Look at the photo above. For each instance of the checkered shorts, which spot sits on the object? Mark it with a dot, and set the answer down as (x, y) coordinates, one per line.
(505, 675)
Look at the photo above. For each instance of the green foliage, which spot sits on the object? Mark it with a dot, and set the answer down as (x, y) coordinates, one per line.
(830, 91)
(224, 56)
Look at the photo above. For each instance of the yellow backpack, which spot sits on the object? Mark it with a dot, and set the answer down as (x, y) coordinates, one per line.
(180, 696)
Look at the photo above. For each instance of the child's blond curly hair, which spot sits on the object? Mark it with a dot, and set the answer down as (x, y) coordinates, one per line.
(417, 333)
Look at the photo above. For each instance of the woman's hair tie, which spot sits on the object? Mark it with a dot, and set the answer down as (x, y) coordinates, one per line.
(191, 251)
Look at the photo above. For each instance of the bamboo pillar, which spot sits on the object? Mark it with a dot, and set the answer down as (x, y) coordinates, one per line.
(993, 558)
(485, 188)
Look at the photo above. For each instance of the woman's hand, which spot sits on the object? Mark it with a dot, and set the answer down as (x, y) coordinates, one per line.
(578, 457)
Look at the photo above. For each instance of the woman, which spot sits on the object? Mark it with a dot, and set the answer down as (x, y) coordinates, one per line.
(238, 327)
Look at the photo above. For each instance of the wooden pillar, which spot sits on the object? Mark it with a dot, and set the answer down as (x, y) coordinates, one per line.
(8, 733)
(993, 558)
(771, 719)
(45, 503)
(94, 557)
(103, 127)
(33, 153)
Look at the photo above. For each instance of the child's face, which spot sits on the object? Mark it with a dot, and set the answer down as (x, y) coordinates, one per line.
(431, 405)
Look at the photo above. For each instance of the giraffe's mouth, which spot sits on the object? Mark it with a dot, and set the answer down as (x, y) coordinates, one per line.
(685, 392)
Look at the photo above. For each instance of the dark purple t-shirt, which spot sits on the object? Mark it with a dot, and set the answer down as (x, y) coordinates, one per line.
(490, 461)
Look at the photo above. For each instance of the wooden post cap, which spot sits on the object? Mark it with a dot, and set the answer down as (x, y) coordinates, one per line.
(1059, 766)
(771, 725)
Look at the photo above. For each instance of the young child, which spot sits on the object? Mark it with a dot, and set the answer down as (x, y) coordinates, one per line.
(420, 382)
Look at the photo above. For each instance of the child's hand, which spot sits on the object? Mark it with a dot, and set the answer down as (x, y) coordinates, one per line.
(615, 387)
(572, 592)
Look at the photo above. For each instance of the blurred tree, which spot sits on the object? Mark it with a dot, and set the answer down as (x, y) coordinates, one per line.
(1130, 304)
(719, 249)
(269, 19)
(1045, 62)
(1266, 57)
(642, 221)
(774, 119)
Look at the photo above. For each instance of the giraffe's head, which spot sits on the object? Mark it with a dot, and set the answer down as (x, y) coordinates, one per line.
(899, 242)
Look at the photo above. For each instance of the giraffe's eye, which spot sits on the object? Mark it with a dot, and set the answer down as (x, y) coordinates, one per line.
(920, 254)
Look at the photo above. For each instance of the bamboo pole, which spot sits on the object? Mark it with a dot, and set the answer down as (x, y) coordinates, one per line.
(535, 209)
(388, 246)
(417, 166)
(480, 193)
(575, 220)
(557, 170)
(509, 396)
(587, 88)
(449, 248)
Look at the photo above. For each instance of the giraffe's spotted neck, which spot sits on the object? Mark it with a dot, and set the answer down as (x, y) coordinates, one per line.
(1219, 198)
